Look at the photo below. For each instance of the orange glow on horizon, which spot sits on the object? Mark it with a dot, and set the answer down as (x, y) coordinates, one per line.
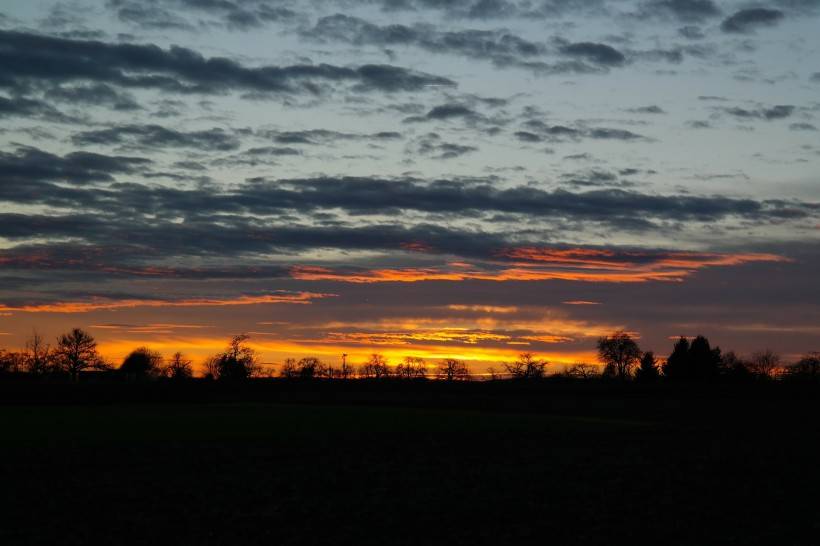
(274, 352)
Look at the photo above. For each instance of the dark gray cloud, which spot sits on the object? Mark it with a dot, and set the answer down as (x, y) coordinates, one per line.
(28, 166)
(156, 136)
(780, 111)
(30, 58)
(175, 14)
(432, 145)
(447, 112)
(593, 52)
(27, 173)
(497, 46)
(526, 136)
(748, 20)
(558, 133)
(32, 108)
(316, 137)
(802, 127)
(815, 77)
(93, 95)
(652, 109)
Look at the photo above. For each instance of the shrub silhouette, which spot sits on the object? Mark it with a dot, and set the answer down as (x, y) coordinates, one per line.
(142, 363)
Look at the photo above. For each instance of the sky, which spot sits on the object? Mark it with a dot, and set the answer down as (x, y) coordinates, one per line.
(439, 178)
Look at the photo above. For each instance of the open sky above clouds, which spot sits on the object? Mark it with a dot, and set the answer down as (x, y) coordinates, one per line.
(468, 178)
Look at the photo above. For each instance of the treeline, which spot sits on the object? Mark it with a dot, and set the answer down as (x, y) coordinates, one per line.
(75, 353)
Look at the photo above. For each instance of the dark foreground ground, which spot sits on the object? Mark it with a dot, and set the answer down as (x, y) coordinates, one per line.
(597, 469)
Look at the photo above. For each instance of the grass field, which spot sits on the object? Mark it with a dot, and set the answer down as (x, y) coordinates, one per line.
(234, 474)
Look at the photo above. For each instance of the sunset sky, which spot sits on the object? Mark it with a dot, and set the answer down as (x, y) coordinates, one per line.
(435, 178)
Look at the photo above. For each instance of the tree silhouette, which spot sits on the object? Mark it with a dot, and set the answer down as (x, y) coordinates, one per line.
(582, 370)
(807, 368)
(178, 368)
(526, 366)
(10, 362)
(647, 371)
(39, 359)
(77, 351)
(142, 363)
(735, 368)
(704, 361)
(694, 362)
(412, 367)
(305, 368)
(619, 353)
(452, 369)
(375, 367)
(677, 365)
(764, 364)
(237, 363)
(310, 367)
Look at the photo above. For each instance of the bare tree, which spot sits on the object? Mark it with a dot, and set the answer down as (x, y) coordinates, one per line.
(289, 369)
(412, 367)
(11, 362)
(375, 367)
(77, 351)
(39, 359)
(526, 366)
(764, 363)
(452, 369)
(581, 370)
(619, 353)
(178, 367)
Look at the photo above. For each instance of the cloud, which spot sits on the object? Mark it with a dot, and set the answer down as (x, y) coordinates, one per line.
(32, 108)
(802, 127)
(433, 146)
(101, 304)
(598, 53)
(31, 58)
(316, 137)
(557, 133)
(653, 109)
(497, 46)
(30, 165)
(682, 10)
(545, 264)
(780, 111)
(748, 20)
(93, 95)
(156, 136)
(175, 14)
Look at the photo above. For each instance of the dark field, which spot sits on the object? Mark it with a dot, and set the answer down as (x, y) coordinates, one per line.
(691, 471)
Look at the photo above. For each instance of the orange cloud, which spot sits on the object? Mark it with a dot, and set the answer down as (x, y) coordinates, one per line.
(538, 264)
(492, 309)
(300, 298)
